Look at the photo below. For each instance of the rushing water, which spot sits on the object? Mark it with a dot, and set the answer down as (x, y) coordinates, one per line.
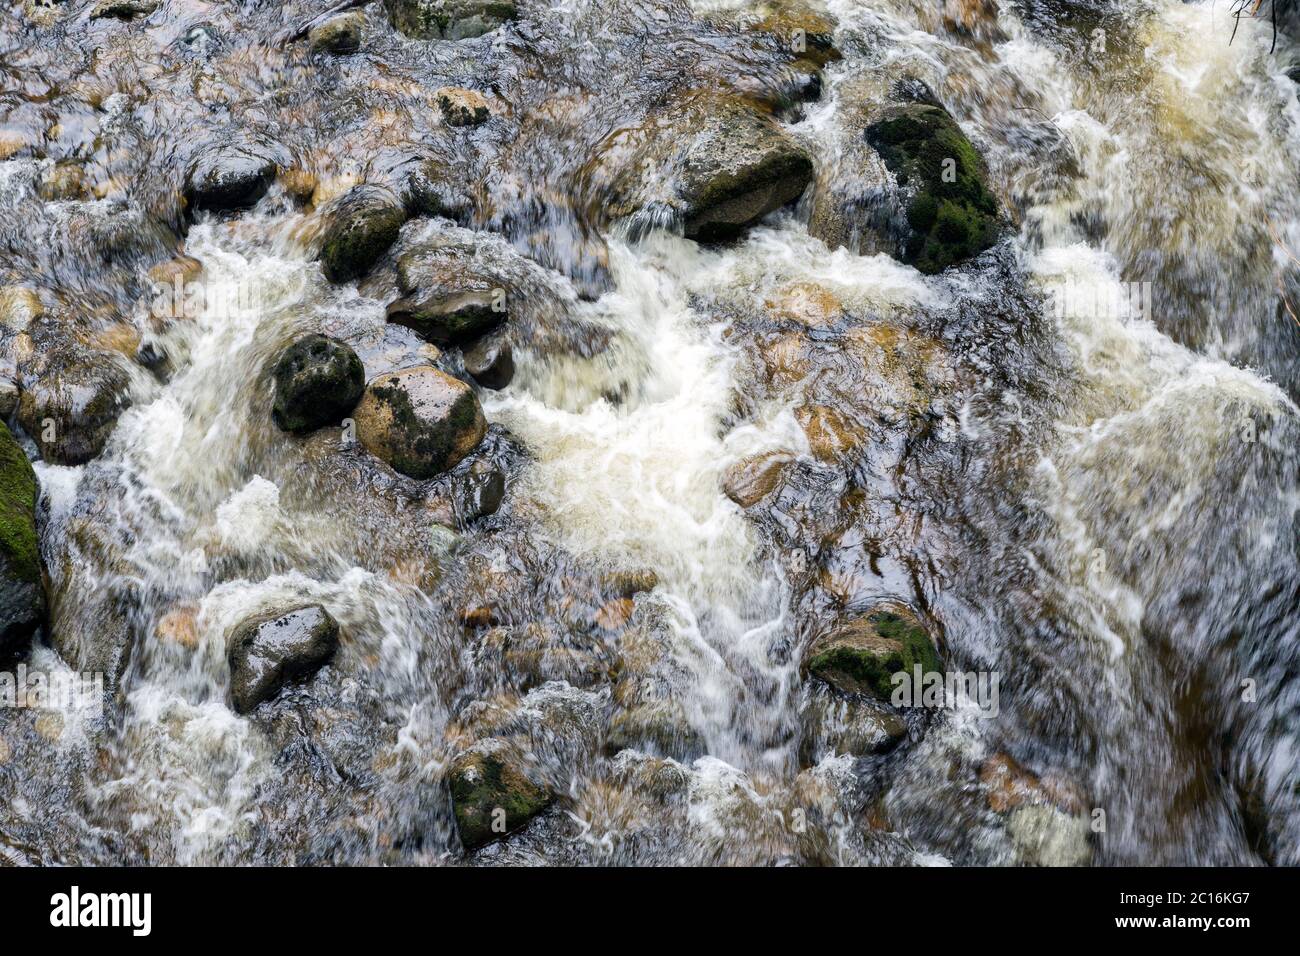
(1103, 512)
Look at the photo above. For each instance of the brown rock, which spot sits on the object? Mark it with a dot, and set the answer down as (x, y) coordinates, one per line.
(419, 420)
(752, 479)
(461, 107)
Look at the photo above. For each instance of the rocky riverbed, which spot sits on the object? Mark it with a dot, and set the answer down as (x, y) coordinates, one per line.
(493, 432)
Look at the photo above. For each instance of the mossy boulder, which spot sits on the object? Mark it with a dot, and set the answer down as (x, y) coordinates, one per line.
(862, 656)
(272, 650)
(449, 19)
(73, 407)
(951, 214)
(360, 227)
(339, 35)
(318, 381)
(22, 597)
(231, 177)
(419, 420)
(491, 794)
(447, 316)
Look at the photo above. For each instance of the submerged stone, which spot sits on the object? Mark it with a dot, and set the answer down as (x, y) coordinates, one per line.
(360, 226)
(227, 178)
(449, 19)
(461, 107)
(862, 656)
(419, 420)
(272, 650)
(22, 596)
(72, 409)
(491, 794)
(123, 9)
(318, 381)
(951, 214)
(339, 35)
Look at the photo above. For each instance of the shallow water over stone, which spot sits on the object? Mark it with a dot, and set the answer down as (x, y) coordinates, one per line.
(1069, 459)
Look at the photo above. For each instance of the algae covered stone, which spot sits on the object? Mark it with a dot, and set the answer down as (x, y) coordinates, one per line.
(862, 656)
(419, 420)
(951, 214)
(74, 406)
(318, 381)
(360, 226)
(22, 597)
(491, 794)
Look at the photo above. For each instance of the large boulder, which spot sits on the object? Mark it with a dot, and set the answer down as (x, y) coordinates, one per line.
(720, 164)
(449, 19)
(419, 420)
(340, 34)
(491, 792)
(950, 213)
(272, 650)
(447, 298)
(318, 381)
(22, 597)
(862, 655)
(74, 405)
(232, 177)
(360, 225)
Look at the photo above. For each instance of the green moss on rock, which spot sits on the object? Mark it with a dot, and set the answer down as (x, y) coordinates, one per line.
(449, 19)
(491, 795)
(862, 656)
(22, 596)
(318, 381)
(952, 215)
(362, 225)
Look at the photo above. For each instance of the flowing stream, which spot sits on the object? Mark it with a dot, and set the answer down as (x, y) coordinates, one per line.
(1102, 511)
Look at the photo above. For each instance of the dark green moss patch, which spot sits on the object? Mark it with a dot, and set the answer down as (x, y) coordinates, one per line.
(18, 492)
(362, 227)
(952, 215)
(864, 655)
(490, 797)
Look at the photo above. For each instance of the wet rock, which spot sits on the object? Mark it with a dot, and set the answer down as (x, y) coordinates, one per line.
(63, 182)
(9, 396)
(419, 420)
(433, 190)
(73, 407)
(861, 656)
(1044, 836)
(449, 316)
(461, 107)
(660, 728)
(805, 303)
(951, 214)
(727, 163)
(834, 724)
(318, 381)
(22, 596)
(490, 362)
(629, 583)
(806, 32)
(19, 307)
(1008, 786)
(831, 434)
(360, 226)
(339, 34)
(227, 178)
(123, 9)
(491, 792)
(272, 650)
(449, 19)
(752, 479)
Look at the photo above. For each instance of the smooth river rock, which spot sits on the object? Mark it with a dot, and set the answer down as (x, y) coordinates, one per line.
(419, 420)
(72, 409)
(491, 792)
(232, 177)
(272, 650)
(360, 225)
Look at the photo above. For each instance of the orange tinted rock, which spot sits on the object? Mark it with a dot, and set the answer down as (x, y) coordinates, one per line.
(752, 479)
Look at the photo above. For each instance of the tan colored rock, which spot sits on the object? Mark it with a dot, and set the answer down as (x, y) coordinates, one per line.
(752, 479)
(461, 107)
(419, 420)
(179, 626)
(1009, 785)
(785, 359)
(63, 182)
(831, 435)
(807, 303)
(19, 307)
